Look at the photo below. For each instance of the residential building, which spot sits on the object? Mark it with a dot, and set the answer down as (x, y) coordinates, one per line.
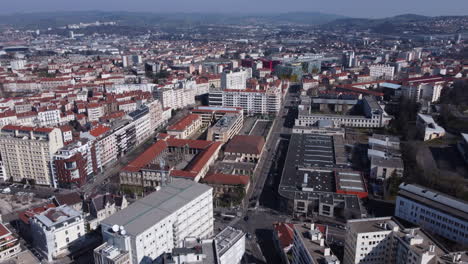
(28, 149)
(101, 206)
(381, 71)
(265, 100)
(75, 162)
(428, 129)
(226, 127)
(310, 247)
(434, 211)
(463, 147)
(385, 157)
(186, 127)
(159, 222)
(422, 89)
(9, 244)
(55, 229)
(227, 247)
(283, 238)
(235, 80)
(384, 240)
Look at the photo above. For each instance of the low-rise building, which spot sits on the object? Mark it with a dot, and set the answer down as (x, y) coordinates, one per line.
(245, 148)
(55, 230)
(101, 206)
(283, 237)
(185, 127)
(428, 128)
(226, 127)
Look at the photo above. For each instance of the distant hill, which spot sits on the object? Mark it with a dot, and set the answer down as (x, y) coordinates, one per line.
(403, 23)
(57, 19)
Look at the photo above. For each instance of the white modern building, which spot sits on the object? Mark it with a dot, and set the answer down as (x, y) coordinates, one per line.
(159, 222)
(55, 229)
(433, 211)
(226, 127)
(381, 71)
(428, 128)
(384, 241)
(235, 80)
(260, 101)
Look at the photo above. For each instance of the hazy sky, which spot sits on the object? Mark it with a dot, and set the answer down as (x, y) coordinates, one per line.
(352, 8)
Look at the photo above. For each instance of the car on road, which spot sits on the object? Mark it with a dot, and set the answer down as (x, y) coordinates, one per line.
(248, 235)
(246, 218)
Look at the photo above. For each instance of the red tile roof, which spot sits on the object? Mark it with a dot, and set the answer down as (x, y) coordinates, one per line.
(146, 157)
(285, 233)
(99, 130)
(184, 122)
(26, 215)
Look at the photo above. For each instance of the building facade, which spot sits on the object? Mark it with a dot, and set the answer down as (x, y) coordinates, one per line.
(160, 221)
(28, 149)
(433, 211)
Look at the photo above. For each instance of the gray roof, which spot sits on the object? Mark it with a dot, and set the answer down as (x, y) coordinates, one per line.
(144, 213)
(437, 200)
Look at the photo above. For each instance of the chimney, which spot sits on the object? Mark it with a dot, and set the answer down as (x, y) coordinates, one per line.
(322, 242)
(326, 252)
(312, 227)
(431, 248)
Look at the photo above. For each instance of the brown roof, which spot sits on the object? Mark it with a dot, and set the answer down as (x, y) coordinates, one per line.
(69, 199)
(226, 179)
(246, 144)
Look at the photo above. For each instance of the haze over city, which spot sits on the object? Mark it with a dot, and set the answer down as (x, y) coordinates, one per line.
(234, 132)
(357, 8)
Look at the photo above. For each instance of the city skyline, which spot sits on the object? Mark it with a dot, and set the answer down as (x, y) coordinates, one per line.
(363, 9)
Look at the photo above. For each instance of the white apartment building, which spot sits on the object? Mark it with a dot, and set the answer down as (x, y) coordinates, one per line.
(433, 211)
(175, 98)
(383, 241)
(141, 119)
(159, 222)
(27, 152)
(235, 80)
(381, 71)
(267, 101)
(50, 117)
(230, 246)
(95, 111)
(421, 89)
(55, 229)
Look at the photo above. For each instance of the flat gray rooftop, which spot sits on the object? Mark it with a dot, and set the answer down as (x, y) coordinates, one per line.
(144, 213)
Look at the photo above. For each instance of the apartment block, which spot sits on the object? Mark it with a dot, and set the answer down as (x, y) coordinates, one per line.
(27, 152)
(159, 222)
(433, 211)
(55, 229)
(384, 240)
